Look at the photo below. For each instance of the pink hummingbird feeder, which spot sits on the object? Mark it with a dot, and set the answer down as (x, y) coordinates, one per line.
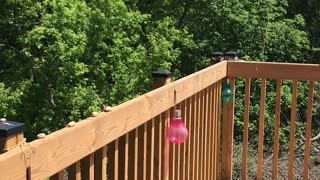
(177, 132)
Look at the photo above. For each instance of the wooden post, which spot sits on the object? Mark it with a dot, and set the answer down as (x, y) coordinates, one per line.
(11, 134)
(227, 129)
(227, 137)
(161, 78)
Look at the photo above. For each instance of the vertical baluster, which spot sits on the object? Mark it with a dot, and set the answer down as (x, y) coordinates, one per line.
(157, 143)
(100, 163)
(183, 146)
(192, 138)
(205, 134)
(261, 128)
(188, 149)
(276, 132)
(308, 132)
(131, 154)
(214, 132)
(161, 137)
(87, 167)
(126, 157)
(199, 135)
(246, 129)
(74, 171)
(116, 159)
(210, 125)
(227, 137)
(136, 154)
(219, 127)
(292, 129)
(152, 123)
(58, 176)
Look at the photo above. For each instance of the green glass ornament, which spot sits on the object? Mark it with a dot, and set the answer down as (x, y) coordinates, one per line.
(227, 93)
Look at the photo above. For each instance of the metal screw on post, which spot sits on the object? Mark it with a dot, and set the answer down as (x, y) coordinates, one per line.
(231, 55)
(216, 57)
(11, 134)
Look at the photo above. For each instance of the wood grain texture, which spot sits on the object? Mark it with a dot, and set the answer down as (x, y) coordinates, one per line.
(276, 131)
(227, 137)
(66, 146)
(283, 71)
(308, 132)
(292, 129)
(245, 129)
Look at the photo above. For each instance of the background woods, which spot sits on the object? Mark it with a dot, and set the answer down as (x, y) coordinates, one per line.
(63, 59)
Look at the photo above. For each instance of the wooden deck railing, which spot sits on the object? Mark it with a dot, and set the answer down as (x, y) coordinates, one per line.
(129, 142)
(276, 72)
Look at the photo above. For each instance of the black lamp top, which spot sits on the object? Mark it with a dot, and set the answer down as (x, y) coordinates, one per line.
(216, 54)
(230, 53)
(162, 74)
(8, 128)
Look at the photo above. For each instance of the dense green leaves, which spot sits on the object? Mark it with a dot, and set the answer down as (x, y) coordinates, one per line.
(63, 59)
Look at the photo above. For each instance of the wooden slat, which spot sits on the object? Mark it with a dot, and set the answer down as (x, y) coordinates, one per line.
(145, 128)
(116, 159)
(192, 137)
(100, 164)
(201, 142)
(126, 157)
(160, 140)
(292, 128)
(111, 160)
(206, 134)
(198, 142)
(246, 129)
(148, 150)
(122, 158)
(136, 155)
(166, 147)
(219, 127)
(188, 147)
(261, 129)
(87, 167)
(227, 137)
(74, 172)
(308, 132)
(58, 176)
(157, 151)
(276, 132)
(214, 132)
(71, 144)
(131, 155)
(182, 152)
(210, 150)
(177, 159)
(152, 148)
(274, 70)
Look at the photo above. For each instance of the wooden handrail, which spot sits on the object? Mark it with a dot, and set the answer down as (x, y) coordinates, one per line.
(284, 71)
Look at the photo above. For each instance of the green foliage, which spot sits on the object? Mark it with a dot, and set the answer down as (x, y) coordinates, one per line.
(63, 59)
